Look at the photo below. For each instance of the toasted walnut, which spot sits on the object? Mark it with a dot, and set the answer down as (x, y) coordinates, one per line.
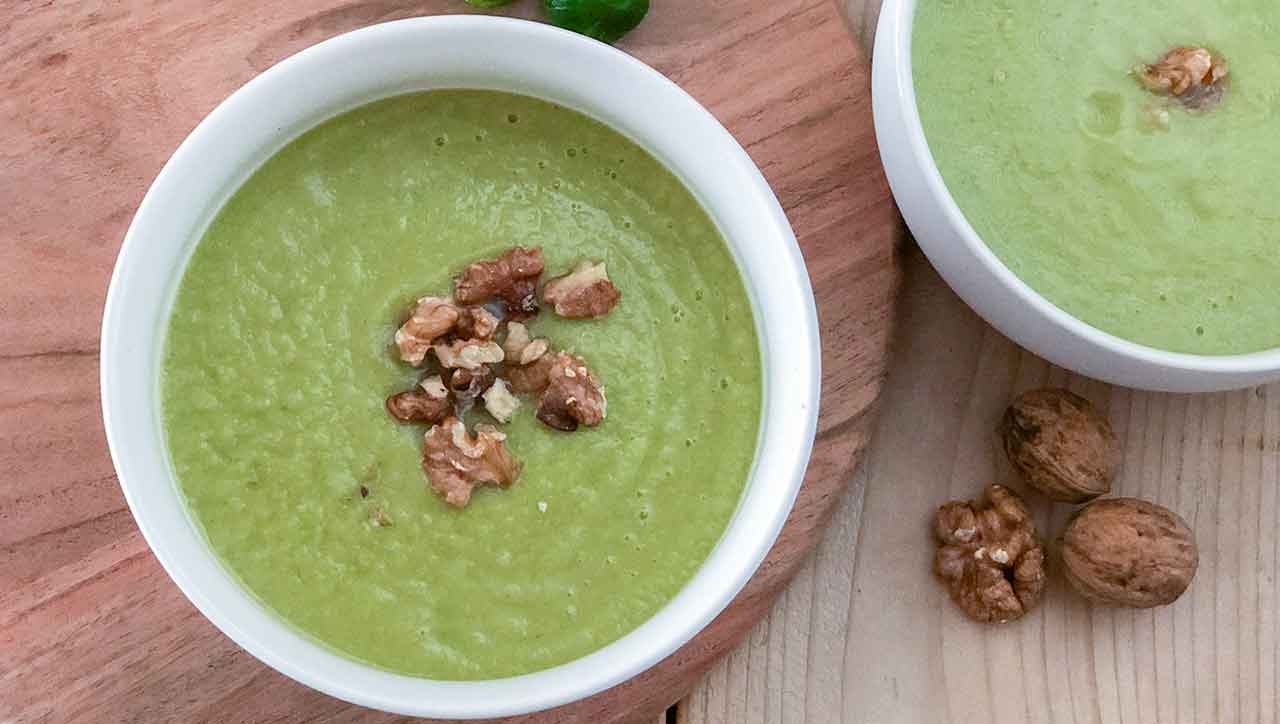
(584, 293)
(1061, 445)
(477, 323)
(989, 556)
(429, 403)
(1128, 552)
(456, 462)
(511, 277)
(1195, 76)
(500, 403)
(432, 318)
(533, 378)
(468, 354)
(520, 347)
(574, 395)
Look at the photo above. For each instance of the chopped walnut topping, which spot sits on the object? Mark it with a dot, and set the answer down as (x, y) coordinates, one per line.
(1192, 75)
(432, 318)
(434, 386)
(533, 378)
(477, 323)
(456, 462)
(429, 402)
(584, 293)
(500, 403)
(469, 385)
(512, 277)
(989, 556)
(520, 348)
(468, 354)
(574, 395)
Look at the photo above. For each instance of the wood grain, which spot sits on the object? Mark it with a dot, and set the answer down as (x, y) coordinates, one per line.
(98, 93)
(865, 636)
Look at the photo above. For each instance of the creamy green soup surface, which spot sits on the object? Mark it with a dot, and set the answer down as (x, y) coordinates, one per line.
(279, 355)
(1151, 222)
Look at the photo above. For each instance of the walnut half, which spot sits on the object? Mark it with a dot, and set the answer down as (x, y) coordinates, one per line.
(456, 463)
(989, 556)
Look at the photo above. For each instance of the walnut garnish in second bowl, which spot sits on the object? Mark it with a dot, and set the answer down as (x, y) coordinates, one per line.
(989, 556)
(1194, 76)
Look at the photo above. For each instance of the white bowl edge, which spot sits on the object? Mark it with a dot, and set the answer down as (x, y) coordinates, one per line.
(482, 52)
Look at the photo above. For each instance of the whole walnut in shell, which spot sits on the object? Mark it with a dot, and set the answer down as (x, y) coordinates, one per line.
(1061, 445)
(1128, 552)
(989, 556)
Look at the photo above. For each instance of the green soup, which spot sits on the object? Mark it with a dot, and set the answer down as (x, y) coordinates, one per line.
(279, 356)
(1145, 220)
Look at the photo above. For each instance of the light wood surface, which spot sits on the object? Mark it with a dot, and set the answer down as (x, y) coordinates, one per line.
(865, 636)
(97, 94)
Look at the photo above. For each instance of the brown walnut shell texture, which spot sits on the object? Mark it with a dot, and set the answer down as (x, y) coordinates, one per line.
(1128, 552)
(1061, 445)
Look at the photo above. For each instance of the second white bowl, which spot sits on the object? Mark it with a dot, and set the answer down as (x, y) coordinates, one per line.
(984, 282)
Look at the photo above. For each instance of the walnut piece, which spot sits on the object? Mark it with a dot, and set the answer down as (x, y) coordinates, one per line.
(432, 318)
(469, 385)
(429, 402)
(989, 556)
(533, 378)
(477, 323)
(511, 277)
(574, 395)
(520, 347)
(1061, 445)
(500, 403)
(1195, 76)
(468, 354)
(1128, 552)
(456, 462)
(584, 293)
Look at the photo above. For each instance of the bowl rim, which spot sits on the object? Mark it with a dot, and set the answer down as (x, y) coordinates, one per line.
(741, 549)
(893, 40)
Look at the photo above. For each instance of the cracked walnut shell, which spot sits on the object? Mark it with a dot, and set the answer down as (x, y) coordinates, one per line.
(989, 556)
(1128, 552)
(1061, 445)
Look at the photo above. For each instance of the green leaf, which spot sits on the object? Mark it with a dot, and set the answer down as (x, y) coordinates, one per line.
(489, 3)
(605, 20)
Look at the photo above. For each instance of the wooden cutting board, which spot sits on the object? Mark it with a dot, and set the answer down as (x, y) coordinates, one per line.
(98, 94)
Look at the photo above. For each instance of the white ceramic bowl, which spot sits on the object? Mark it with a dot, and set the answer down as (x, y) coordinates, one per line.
(450, 52)
(984, 282)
